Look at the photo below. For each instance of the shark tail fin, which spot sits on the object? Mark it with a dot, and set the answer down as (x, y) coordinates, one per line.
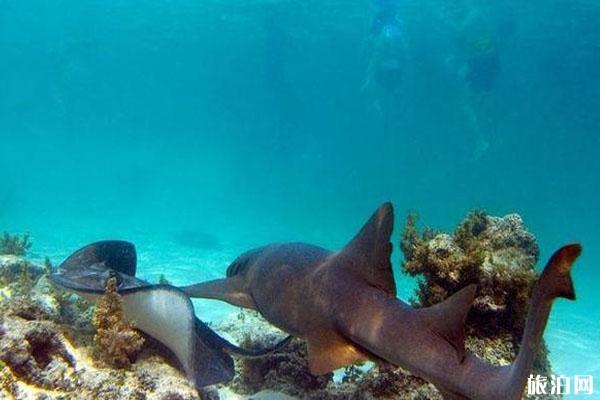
(448, 318)
(555, 281)
(367, 255)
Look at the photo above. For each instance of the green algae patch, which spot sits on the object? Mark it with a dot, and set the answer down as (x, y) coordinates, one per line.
(16, 245)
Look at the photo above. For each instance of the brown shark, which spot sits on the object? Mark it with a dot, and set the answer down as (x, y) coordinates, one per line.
(344, 305)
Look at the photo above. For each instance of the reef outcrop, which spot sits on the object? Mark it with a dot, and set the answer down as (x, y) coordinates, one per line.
(47, 346)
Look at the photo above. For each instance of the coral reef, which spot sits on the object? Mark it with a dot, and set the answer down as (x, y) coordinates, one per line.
(116, 341)
(47, 350)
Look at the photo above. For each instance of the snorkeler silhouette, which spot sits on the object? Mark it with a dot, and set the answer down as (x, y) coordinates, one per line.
(388, 56)
(482, 34)
(387, 32)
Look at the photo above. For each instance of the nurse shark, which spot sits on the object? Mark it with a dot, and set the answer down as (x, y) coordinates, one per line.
(344, 305)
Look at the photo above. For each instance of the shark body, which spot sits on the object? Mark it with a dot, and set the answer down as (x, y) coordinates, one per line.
(344, 305)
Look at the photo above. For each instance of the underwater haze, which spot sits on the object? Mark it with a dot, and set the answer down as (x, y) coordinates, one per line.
(200, 129)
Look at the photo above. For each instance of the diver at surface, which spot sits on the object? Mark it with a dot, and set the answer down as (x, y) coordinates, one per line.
(386, 64)
(482, 35)
(386, 68)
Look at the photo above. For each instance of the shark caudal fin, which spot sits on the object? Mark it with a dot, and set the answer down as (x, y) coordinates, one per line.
(368, 253)
(555, 281)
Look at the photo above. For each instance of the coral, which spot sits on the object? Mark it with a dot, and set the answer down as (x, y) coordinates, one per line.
(497, 254)
(8, 386)
(116, 341)
(17, 245)
(18, 274)
(35, 353)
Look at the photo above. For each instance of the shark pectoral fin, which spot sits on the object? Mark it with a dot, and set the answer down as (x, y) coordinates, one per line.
(328, 351)
(368, 253)
(230, 290)
(448, 318)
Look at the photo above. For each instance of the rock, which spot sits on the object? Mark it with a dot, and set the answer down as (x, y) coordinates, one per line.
(35, 353)
(17, 275)
(44, 295)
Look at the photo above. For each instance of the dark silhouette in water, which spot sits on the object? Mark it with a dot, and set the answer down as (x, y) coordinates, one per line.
(482, 35)
(388, 57)
(344, 305)
(483, 67)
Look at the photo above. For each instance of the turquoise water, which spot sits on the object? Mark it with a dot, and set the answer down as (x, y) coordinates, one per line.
(201, 129)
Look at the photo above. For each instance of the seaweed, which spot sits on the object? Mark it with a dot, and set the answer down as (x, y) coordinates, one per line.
(162, 279)
(116, 342)
(48, 267)
(17, 245)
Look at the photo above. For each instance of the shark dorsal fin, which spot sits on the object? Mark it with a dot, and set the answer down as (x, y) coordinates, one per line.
(368, 253)
(448, 317)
